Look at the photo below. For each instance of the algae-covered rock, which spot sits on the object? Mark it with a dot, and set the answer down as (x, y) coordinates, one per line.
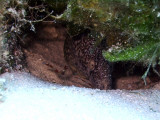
(3, 51)
(135, 21)
(12, 14)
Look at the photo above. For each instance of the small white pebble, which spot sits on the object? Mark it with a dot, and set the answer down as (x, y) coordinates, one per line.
(54, 88)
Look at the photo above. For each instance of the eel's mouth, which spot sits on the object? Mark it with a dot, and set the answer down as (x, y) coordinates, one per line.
(44, 56)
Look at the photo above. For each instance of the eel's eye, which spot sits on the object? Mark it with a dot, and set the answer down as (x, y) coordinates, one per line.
(91, 65)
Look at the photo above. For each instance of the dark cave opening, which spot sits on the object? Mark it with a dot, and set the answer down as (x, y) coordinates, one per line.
(44, 56)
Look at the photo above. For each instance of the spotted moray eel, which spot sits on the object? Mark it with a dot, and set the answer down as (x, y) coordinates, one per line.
(82, 56)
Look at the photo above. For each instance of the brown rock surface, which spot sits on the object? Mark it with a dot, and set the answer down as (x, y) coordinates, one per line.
(45, 57)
